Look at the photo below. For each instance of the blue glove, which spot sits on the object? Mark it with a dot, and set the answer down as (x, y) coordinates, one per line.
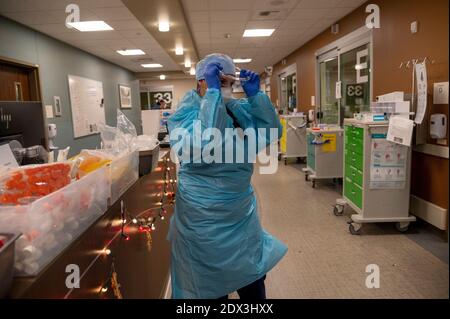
(212, 75)
(251, 86)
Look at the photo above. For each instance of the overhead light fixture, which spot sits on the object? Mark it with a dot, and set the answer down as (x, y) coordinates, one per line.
(258, 33)
(242, 60)
(89, 26)
(131, 52)
(179, 50)
(162, 77)
(164, 26)
(152, 65)
(187, 64)
(192, 71)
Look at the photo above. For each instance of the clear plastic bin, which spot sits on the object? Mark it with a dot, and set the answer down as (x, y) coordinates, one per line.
(124, 172)
(51, 223)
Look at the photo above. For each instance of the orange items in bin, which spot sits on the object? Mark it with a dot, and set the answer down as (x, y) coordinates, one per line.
(89, 161)
(28, 183)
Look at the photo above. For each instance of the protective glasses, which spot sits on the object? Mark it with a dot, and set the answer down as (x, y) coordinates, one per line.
(232, 78)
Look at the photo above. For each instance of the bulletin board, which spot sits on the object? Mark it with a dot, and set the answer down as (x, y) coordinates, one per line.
(87, 104)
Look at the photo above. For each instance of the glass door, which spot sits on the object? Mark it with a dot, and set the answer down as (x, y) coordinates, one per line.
(344, 77)
(329, 76)
(288, 90)
(355, 81)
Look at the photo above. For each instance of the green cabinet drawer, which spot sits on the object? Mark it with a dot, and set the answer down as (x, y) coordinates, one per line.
(353, 192)
(355, 175)
(354, 159)
(356, 132)
(354, 144)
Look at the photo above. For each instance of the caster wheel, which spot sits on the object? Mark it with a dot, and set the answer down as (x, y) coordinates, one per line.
(354, 230)
(338, 210)
(402, 227)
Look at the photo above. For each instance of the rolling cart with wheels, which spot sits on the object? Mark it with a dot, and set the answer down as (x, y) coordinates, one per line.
(325, 158)
(377, 177)
(293, 140)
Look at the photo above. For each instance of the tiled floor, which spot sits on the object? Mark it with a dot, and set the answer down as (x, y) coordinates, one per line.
(325, 261)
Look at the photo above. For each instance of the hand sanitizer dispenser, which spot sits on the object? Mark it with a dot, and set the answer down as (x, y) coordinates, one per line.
(438, 127)
(52, 131)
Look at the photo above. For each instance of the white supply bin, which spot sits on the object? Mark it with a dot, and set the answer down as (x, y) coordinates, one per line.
(124, 172)
(52, 222)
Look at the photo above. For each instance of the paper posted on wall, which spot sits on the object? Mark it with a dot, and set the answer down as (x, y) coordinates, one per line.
(421, 79)
(400, 130)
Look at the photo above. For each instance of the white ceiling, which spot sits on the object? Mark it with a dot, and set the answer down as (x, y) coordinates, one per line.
(48, 16)
(297, 22)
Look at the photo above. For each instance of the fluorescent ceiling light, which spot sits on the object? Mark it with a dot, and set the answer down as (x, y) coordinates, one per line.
(131, 52)
(192, 71)
(152, 65)
(164, 26)
(89, 26)
(162, 77)
(258, 32)
(179, 50)
(242, 60)
(187, 64)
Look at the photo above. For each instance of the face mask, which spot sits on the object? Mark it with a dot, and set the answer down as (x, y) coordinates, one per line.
(227, 93)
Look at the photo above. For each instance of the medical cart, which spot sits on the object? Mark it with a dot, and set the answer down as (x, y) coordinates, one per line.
(293, 140)
(377, 176)
(325, 158)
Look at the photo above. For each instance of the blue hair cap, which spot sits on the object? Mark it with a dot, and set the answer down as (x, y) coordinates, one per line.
(224, 60)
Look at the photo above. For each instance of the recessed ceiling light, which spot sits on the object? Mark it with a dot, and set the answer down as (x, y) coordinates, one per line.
(162, 77)
(258, 33)
(179, 50)
(152, 65)
(164, 26)
(187, 64)
(89, 26)
(242, 60)
(192, 71)
(131, 52)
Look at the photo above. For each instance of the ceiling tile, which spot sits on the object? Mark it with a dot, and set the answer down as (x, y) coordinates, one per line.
(112, 14)
(195, 5)
(230, 4)
(269, 24)
(269, 4)
(230, 16)
(199, 16)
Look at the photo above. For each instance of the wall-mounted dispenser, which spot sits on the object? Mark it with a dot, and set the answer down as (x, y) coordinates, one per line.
(438, 126)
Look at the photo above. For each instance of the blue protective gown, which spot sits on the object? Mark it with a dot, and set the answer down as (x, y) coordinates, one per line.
(217, 242)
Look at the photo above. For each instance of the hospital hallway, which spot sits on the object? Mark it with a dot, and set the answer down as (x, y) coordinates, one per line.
(325, 261)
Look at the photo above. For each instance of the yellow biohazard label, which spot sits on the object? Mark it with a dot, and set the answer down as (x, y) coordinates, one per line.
(330, 145)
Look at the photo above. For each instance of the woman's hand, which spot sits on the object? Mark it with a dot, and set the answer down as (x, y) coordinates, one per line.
(212, 75)
(251, 86)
